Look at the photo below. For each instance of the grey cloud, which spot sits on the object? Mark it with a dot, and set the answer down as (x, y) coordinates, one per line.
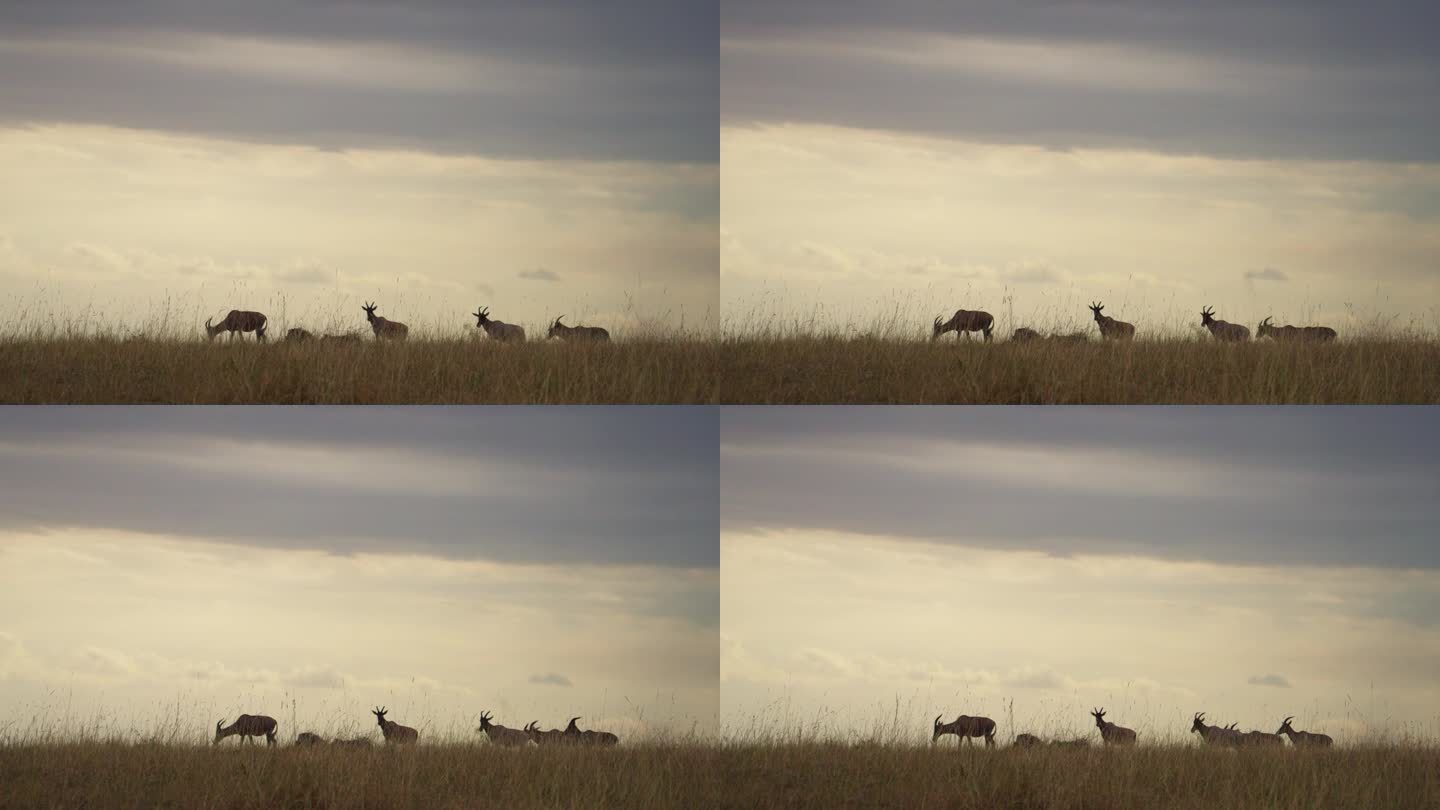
(314, 678)
(1347, 486)
(633, 81)
(581, 486)
(1269, 680)
(539, 274)
(1329, 80)
(551, 679)
(1267, 274)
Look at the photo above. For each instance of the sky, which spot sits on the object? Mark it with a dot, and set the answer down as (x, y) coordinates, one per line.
(880, 566)
(1030, 158)
(163, 568)
(166, 161)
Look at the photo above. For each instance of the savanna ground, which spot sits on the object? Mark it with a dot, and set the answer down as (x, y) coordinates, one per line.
(869, 369)
(110, 370)
(712, 775)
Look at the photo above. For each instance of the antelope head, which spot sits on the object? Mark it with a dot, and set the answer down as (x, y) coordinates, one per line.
(1096, 307)
(1099, 715)
(369, 312)
(937, 734)
(485, 718)
(219, 731)
(937, 328)
(379, 713)
(555, 328)
(211, 331)
(482, 316)
(1264, 328)
(1285, 726)
(1207, 316)
(571, 728)
(1198, 724)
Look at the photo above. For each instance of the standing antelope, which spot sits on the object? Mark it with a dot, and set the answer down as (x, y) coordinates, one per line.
(247, 726)
(594, 334)
(1111, 329)
(552, 737)
(393, 731)
(1304, 334)
(1223, 331)
(1304, 739)
(238, 321)
(1111, 733)
(498, 330)
(500, 735)
(965, 727)
(965, 321)
(589, 737)
(1214, 735)
(385, 329)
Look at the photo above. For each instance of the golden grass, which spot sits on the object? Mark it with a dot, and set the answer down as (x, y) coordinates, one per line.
(699, 775)
(800, 369)
(661, 370)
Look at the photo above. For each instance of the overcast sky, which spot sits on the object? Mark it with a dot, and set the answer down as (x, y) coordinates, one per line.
(556, 157)
(1263, 160)
(1250, 563)
(163, 563)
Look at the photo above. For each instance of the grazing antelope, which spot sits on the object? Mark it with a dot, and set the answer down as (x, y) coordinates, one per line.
(1027, 741)
(393, 731)
(1111, 329)
(1303, 334)
(307, 738)
(238, 321)
(1223, 331)
(1304, 739)
(1025, 335)
(552, 737)
(589, 737)
(965, 727)
(298, 335)
(593, 334)
(1110, 732)
(1214, 735)
(965, 321)
(500, 735)
(385, 329)
(247, 726)
(499, 330)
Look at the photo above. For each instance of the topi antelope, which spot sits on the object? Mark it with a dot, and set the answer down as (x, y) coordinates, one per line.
(238, 321)
(499, 330)
(552, 737)
(385, 329)
(500, 735)
(593, 334)
(1025, 335)
(965, 727)
(1224, 331)
(298, 335)
(1304, 739)
(247, 726)
(1111, 329)
(588, 737)
(307, 738)
(1027, 741)
(1214, 735)
(393, 731)
(1259, 739)
(1299, 334)
(965, 321)
(1111, 733)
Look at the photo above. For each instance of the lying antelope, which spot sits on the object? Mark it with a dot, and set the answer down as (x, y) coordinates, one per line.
(552, 737)
(1027, 741)
(1304, 739)
(385, 329)
(1299, 334)
(500, 735)
(965, 321)
(393, 731)
(589, 737)
(499, 330)
(247, 726)
(1025, 335)
(1111, 329)
(1111, 733)
(298, 335)
(1223, 331)
(1214, 735)
(594, 334)
(238, 321)
(965, 727)
(307, 738)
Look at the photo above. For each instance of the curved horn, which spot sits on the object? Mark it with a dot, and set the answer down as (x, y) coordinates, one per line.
(1288, 719)
(1265, 322)
(219, 724)
(937, 720)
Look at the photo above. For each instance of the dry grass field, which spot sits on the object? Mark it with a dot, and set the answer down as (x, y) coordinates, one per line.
(707, 775)
(110, 370)
(801, 369)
